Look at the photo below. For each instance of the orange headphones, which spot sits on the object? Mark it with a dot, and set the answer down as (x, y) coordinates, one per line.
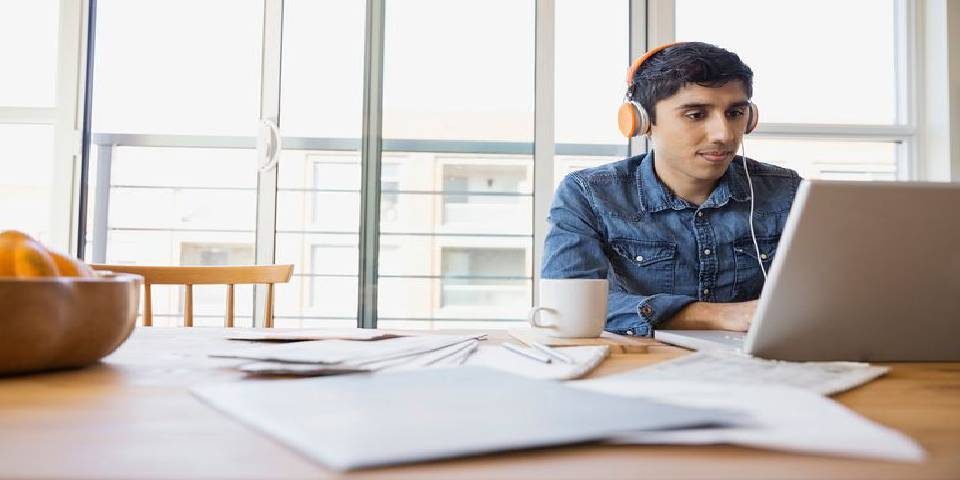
(634, 119)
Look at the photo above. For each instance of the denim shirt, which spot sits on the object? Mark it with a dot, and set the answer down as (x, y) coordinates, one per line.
(658, 251)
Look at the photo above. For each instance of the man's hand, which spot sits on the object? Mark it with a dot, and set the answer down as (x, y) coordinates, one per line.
(713, 316)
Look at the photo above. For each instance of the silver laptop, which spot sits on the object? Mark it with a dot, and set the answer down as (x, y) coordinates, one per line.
(865, 271)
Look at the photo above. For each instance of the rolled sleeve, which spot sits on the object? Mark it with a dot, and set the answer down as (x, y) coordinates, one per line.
(640, 315)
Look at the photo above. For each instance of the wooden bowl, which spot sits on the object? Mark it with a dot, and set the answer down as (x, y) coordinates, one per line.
(50, 323)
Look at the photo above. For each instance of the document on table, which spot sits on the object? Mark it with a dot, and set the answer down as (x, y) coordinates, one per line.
(356, 421)
(826, 378)
(585, 359)
(334, 357)
(346, 352)
(299, 335)
(788, 418)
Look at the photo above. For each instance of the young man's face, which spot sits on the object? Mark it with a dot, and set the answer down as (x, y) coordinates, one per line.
(698, 131)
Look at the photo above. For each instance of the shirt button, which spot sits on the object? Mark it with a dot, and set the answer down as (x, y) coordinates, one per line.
(706, 291)
(629, 332)
(763, 256)
(646, 310)
(700, 214)
(706, 251)
(639, 258)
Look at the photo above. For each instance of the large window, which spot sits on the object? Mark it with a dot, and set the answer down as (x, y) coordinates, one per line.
(470, 112)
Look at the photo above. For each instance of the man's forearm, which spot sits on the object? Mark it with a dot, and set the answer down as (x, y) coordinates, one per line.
(713, 316)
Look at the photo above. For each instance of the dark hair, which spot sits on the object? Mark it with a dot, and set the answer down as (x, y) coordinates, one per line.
(668, 70)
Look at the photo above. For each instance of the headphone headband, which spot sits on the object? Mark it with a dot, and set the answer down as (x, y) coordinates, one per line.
(646, 56)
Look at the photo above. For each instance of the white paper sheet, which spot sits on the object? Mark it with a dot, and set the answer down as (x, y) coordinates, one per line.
(585, 358)
(787, 418)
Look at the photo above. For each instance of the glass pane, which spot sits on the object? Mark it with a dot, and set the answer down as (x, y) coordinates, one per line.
(177, 67)
(463, 221)
(319, 253)
(439, 214)
(318, 224)
(318, 198)
(172, 247)
(183, 189)
(829, 160)
(436, 255)
(592, 55)
(817, 61)
(26, 181)
(459, 70)
(307, 297)
(28, 52)
(492, 302)
(180, 206)
(487, 194)
(183, 167)
(318, 211)
(322, 68)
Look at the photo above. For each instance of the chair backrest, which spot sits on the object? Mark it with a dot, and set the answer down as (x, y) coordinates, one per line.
(205, 275)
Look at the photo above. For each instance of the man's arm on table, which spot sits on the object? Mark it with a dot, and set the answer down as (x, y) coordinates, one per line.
(713, 316)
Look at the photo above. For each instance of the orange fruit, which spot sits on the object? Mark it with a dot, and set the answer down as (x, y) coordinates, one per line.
(6, 257)
(9, 239)
(15, 235)
(69, 266)
(30, 259)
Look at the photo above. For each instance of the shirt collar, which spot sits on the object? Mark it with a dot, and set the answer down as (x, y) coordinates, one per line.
(655, 196)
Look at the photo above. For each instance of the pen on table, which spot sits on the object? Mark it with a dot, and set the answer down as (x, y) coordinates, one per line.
(526, 353)
(551, 352)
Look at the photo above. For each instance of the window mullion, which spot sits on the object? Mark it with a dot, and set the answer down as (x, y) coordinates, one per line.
(267, 180)
(544, 122)
(638, 45)
(371, 148)
(67, 118)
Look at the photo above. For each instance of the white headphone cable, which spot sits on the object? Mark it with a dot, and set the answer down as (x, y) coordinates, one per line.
(753, 234)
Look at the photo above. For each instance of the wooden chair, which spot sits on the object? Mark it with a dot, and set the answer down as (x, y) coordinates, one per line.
(190, 276)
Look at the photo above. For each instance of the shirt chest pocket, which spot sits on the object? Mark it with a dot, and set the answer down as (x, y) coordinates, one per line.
(748, 279)
(644, 266)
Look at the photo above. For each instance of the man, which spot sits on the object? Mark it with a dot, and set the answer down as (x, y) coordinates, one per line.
(671, 230)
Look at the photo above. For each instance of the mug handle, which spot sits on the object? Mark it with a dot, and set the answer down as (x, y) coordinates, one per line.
(532, 317)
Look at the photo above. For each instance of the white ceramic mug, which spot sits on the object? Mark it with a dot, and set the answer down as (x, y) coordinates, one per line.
(571, 307)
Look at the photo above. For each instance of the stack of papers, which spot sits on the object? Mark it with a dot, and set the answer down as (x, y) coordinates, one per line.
(825, 378)
(299, 335)
(328, 357)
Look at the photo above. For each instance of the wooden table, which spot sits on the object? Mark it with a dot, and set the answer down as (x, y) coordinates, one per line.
(132, 416)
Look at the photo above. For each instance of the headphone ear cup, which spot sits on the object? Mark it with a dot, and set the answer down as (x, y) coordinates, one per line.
(632, 120)
(753, 117)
